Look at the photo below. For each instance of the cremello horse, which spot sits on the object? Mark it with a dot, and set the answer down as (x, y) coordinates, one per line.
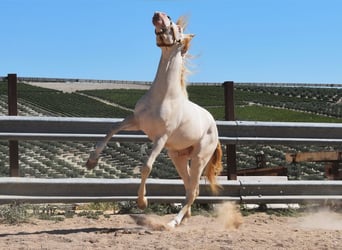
(170, 120)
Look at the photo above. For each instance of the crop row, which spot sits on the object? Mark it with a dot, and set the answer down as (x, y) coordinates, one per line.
(315, 100)
(67, 159)
(322, 94)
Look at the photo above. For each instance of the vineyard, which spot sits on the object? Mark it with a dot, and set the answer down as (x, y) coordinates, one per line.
(260, 103)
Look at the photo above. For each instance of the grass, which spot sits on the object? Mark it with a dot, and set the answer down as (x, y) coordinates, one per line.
(206, 96)
(123, 97)
(287, 212)
(17, 213)
(261, 113)
(64, 104)
(286, 107)
(14, 213)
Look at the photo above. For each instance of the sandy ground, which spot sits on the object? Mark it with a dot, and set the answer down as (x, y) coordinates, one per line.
(320, 230)
(69, 87)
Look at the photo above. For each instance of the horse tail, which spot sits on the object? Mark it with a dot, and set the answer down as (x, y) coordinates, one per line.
(214, 168)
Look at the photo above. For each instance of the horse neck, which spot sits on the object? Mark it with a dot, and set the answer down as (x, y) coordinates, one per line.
(168, 80)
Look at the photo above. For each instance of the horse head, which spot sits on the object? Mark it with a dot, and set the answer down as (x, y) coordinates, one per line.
(169, 34)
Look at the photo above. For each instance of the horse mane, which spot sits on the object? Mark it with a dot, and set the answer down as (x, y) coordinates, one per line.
(183, 22)
(184, 73)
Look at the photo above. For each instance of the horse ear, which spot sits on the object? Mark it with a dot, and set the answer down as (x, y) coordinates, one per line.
(183, 21)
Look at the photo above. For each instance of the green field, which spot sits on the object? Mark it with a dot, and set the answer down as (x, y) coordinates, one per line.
(252, 102)
(256, 106)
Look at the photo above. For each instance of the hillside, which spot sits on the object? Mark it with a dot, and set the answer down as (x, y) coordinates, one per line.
(66, 159)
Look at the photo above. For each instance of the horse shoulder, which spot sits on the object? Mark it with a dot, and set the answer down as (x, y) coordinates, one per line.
(197, 113)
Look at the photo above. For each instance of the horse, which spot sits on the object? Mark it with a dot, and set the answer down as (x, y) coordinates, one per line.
(172, 121)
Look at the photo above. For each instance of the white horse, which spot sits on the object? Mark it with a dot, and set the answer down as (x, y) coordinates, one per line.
(171, 121)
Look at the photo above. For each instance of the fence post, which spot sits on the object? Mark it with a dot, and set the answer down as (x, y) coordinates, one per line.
(230, 116)
(13, 110)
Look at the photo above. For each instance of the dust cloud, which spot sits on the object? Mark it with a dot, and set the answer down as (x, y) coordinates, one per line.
(322, 219)
(151, 222)
(229, 215)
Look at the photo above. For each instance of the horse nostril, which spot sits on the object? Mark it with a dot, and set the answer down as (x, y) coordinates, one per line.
(156, 18)
(156, 15)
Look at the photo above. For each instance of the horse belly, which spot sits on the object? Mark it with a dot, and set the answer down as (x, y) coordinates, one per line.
(183, 138)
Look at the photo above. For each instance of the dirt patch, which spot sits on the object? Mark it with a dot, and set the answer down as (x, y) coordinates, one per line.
(258, 231)
(70, 87)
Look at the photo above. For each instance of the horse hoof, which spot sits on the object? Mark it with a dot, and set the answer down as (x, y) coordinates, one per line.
(142, 203)
(91, 163)
(172, 224)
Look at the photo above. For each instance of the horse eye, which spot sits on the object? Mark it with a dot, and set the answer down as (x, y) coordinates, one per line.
(169, 18)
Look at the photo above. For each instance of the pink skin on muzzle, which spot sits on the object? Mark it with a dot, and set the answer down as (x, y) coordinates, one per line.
(159, 20)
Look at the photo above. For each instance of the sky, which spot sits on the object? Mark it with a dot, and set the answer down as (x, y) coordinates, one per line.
(281, 41)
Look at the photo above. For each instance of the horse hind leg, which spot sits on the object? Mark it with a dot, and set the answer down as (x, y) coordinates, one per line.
(196, 169)
(128, 123)
(181, 162)
(185, 212)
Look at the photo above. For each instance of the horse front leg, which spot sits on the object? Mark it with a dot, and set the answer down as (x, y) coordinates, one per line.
(158, 145)
(128, 123)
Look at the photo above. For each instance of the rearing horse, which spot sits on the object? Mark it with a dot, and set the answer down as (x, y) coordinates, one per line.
(170, 120)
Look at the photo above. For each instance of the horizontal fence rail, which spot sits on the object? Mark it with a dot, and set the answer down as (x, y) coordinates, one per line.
(72, 190)
(230, 132)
